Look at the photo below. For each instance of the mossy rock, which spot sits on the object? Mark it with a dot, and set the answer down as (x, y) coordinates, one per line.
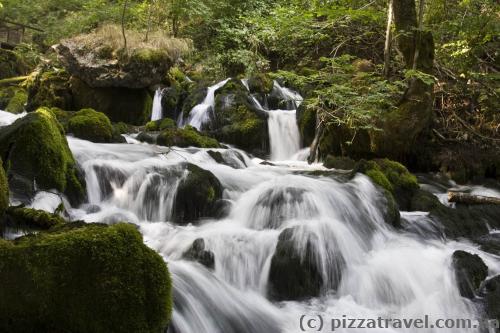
(339, 140)
(293, 276)
(31, 219)
(197, 196)
(91, 125)
(35, 148)
(461, 221)
(393, 177)
(236, 121)
(195, 96)
(260, 83)
(122, 128)
(49, 88)
(13, 99)
(89, 279)
(160, 125)
(4, 190)
(339, 162)
(147, 137)
(306, 121)
(185, 137)
(11, 64)
(131, 106)
(470, 272)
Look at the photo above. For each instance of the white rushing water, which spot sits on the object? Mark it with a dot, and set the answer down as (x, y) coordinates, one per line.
(157, 111)
(200, 114)
(378, 271)
(284, 134)
(7, 118)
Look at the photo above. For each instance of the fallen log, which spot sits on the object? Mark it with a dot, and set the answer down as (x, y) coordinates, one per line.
(470, 199)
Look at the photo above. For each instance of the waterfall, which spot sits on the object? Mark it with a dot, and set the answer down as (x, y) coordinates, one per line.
(284, 134)
(157, 111)
(200, 114)
(7, 118)
(367, 268)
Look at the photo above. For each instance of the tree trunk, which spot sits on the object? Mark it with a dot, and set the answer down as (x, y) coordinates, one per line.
(320, 128)
(418, 36)
(388, 37)
(466, 198)
(123, 26)
(150, 12)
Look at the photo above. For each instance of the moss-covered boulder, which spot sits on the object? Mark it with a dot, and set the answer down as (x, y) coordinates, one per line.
(237, 121)
(131, 106)
(393, 177)
(197, 252)
(49, 87)
(339, 162)
(260, 83)
(13, 99)
(197, 196)
(4, 190)
(470, 272)
(11, 64)
(185, 137)
(306, 121)
(160, 125)
(35, 149)
(91, 125)
(293, 276)
(89, 279)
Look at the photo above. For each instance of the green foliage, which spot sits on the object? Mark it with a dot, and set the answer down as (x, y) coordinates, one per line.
(91, 125)
(89, 279)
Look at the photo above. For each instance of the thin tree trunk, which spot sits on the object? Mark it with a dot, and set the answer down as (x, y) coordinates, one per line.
(123, 26)
(418, 33)
(313, 155)
(388, 38)
(150, 12)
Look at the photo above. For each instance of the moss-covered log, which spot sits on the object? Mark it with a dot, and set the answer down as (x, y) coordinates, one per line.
(95, 278)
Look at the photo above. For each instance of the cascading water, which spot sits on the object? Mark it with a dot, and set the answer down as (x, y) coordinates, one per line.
(7, 118)
(200, 114)
(157, 111)
(375, 270)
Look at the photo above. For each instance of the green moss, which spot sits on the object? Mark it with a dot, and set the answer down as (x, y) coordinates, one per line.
(49, 88)
(166, 124)
(152, 126)
(121, 128)
(4, 190)
(393, 177)
(306, 121)
(35, 148)
(20, 217)
(339, 162)
(13, 99)
(91, 125)
(90, 279)
(260, 83)
(149, 56)
(186, 137)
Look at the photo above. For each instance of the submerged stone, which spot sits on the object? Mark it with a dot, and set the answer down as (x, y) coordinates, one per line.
(470, 272)
(197, 252)
(197, 196)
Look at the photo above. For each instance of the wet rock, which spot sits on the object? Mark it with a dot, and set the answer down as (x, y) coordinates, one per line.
(293, 276)
(339, 162)
(49, 87)
(470, 272)
(36, 149)
(197, 252)
(491, 292)
(197, 196)
(306, 121)
(490, 243)
(267, 163)
(147, 137)
(260, 84)
(83, 278)
(4, 190)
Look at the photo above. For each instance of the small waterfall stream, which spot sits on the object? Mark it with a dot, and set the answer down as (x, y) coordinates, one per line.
(200, 114)
(157, 111)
